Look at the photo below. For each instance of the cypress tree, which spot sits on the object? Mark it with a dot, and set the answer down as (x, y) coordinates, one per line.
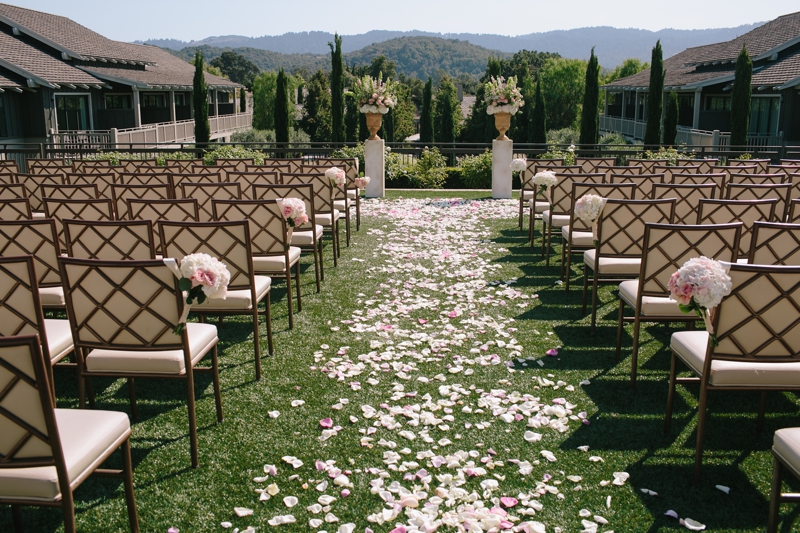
(521, 125)
(202, 129)
(740, 99)
(671, 119)
(655, 98)
(281, 109)
(426, 117)
(589, 114)
(538, 123)
(387, 127)
(446, 106)
(243, 100)
(351, 119)
(337, 90)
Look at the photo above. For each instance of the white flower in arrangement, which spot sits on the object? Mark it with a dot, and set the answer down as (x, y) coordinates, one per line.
(502, 96)
(545, 179)
(699, 286)
(519, 164)
(202, 277)
(362, 182)
(294, 211)
(337, 176)
(374, 95)
(571, 148)
(588, 208)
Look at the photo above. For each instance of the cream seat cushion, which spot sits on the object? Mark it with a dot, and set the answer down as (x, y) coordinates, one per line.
(326, 219)
(59, 338)
(690, 346)
(202, 337)
(651, 305)
(276, 263)
(52, 296)
(557, 221)
(340, 204)
(306, 237)
(613, 265)
(352, 193)
(786, 445)
(579, 238)
(239, 299)
(538, 207)
(86, 438)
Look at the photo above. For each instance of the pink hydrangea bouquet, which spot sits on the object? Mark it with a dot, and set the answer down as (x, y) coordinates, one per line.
(502, 96)
(362, 182)
(588, 208)
(545, 180)
(374, 95)
(519, 164)
(294, 211)
(699, 286)
(337, 176)
(202, 277)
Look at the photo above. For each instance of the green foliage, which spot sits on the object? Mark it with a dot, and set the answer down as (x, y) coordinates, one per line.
(403, 113)
(233, 152)
(281, 109)
(522, 126)
(655, 98)
(427, 172)
(670, 154)
(526, 62)
(629, 67)
(741, 98)
(296, 136)
(745, 156)
(337, 90)
(116, 157)
(479, 127)
(202, 128)
(446, 112)
(612, 139)
(316, 120)
(236, 68)
(426, 131)
(264, 101)
(556, 153)
(538, 124)
(356, 151)
(476, 170)
(565, 136)
(590, 120)
(671, 119)
(563, 83)
(351, 119)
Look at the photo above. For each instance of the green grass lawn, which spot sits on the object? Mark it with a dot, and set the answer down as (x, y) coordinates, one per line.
(418, 319)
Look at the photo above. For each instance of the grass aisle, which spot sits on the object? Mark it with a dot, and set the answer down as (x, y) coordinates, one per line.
(415, 392)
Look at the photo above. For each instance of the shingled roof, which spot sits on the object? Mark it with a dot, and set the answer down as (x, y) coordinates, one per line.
(9, 80)
(783, 74)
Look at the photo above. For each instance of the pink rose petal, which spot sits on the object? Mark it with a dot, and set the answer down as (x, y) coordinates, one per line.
(508, 501)
(552, 352)
(326, 423)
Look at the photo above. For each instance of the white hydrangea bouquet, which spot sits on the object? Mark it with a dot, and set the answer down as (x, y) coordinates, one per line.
(337, 176)
(699, 286)
(502, 96)
(202, 277)
(374, 95)
(588, 208)
(294, 211)
(545, 181)
(362, 182)
(519, 164)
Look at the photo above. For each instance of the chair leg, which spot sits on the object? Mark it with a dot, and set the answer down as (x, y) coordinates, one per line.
(333, 246)
(256, 342)
(701, 428)
(564, 252)
(673, 372)
(190, 406)
(762, 406)
(289, 296)
(358, 210)
(297, 286)
(132, 395)
(130, 500)
(620, 322)
(316, 267)
(595, 283)
(531, 220)
(545, 232)
(338, 240)
(321, 261)
(215, 379)
(347, 227)
(775, 496)
(585, 286)
(68, 510)
(635, 348)
(269, 323)
(16, 513)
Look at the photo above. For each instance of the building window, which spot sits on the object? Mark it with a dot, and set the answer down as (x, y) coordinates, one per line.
(223, 98)
(154, 100)
(180, 99)
(3, 124)
(72, 112)
(119, 101)
(718, 103)
(764, 116)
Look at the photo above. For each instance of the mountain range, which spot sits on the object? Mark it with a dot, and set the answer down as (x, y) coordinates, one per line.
(612, 45)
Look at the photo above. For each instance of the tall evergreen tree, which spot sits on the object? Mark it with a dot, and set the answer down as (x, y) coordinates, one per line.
(447, 113)
(590, 119)
(316, 119)
(480, 126)
(655, 98)
(243, 100)
(282, 109)
(740, 99)
(202, 129)
(351, 119)
(426, 134)
(521, 125)
(538, 124)
(387, 127)
(337, 90)
(671, 119)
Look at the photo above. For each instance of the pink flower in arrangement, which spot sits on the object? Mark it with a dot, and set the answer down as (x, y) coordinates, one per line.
(207, 278)
(374, 95)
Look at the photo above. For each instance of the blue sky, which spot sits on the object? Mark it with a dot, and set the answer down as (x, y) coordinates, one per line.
(197, 19)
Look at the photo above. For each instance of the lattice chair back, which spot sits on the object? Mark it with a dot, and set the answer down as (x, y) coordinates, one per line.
(235, 165)
(589, 165)
(780, 192)
(609, 170)
(668, 246)
(794, 211)
(644, 182)
(93, 167)
(759, 321)
(323, 190)
(181, 166)
(668, 171)
(204, 193)
(184, 210)
(20, 305)
(48, 166)
(204, 177)
(121, 193)
(33, 183)
(561, 193)
(15, 209)
(268, 230)
(37, 238)
(707, 166)
(783, 169)
(339, 193)
(618, 191)
(760, 163)
(738, 169)
(212, 169)
(688, 197)
(148, 179)
(110, 240)
(250, 178)
(648, 165)
(348, 164)
(620, 229)
(718, 179)
(139, 166)
(292, 164)
(758, 179)
(13, 191)
(745, 211)
(775, 243)
(102, 181)
(7, 177)
(302, 191)
(278, 169)
(8, 165)
(59, 210)
(86, 191)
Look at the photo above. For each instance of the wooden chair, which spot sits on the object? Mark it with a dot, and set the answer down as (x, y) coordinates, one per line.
(758, 329)
(738, 169)
(341, 199)
(221, 170)
(9, 165)
(272, 253)
(13, 191)
(609, 170)
(205, 193)
(687, 196)
(139, 166)
(794, 211)
(577, 236)
(644, 182)
(745, 211)
(181, 166)
(7, 176)
(48, 166)
(757, 179)
(706, 166)
(39, 239)
(247, 179)
(110, 240)
(780, 192)
(148, 179)
(668, 171)
(85, 191)
(122, 315)
(718, 179)
(527, 192)
(184, 210)
(648, 165)
(350, 166)
(33, 183)
(774, 244)
(15, 209)
(177, 179)
(102, 181)
(326, 216)
(762, 164)
(88, 167)
(235, 165)
(228, 241)
(589, 164)
(49, 452)
(666, 248)
(121, 193)
(786, 456)
(59, 209)
(618, 253)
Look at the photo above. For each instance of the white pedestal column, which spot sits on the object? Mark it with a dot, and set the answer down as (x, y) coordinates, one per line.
(375, 168)
(502, 153)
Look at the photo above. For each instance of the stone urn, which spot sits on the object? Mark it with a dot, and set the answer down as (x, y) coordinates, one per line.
(373, 125)
(502, 121)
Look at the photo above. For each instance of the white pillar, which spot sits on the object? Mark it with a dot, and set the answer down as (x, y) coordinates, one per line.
(698, 101)
(216, 103)
(375, 168)
(172, 106)
(502, 153)
(137, 109)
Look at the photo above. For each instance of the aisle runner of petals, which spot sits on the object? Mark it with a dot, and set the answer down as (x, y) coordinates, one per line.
(434, 319)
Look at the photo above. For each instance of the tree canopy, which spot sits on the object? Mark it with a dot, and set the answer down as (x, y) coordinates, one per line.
(236, 68)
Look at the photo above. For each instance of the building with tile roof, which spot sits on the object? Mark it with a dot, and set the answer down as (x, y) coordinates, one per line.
(57, 76)
(703, 77)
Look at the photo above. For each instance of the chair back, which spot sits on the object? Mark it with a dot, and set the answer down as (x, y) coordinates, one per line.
(760, 163)
(780, 192)
(181, 166)
(139, 166)
(787, 162)
(644, 182)
(92, 167)
(111, 240)
(57, 209)
(228, 241)
(48, 166)
(250, 178)
(37, 238)
(688, 197)
(291, 164)
(701, 179)
(148, 179)
(759, 321)
(33, 183)
(782, 169)
(348, 164)
(668, 171)
(123, 305)
(204, 193)
(184, 210)
(745, 211)
(212, 169)
(648, 165)
(758, 179)
(204, 177)
(339, 193)
(7, 177)
(620, 229)
(15, 209)
(668, 246)
(705, 165)
(619, 191)
(794, 211)
(589, 164)
(85, 191)
(268, 233)
(609, 170)
(102, 181)
(561, 192)
(235, 165)
(738, 169)
(8, 165)
(775, 243)
(121, 193)
(323, 189)
(303, 191)
(12, 191)
(20, 307)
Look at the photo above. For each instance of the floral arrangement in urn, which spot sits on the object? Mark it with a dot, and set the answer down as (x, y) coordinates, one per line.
(699, 286)
(374, 96)
(503, 96)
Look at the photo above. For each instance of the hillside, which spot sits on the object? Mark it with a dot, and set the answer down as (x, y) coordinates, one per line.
(613, 45)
